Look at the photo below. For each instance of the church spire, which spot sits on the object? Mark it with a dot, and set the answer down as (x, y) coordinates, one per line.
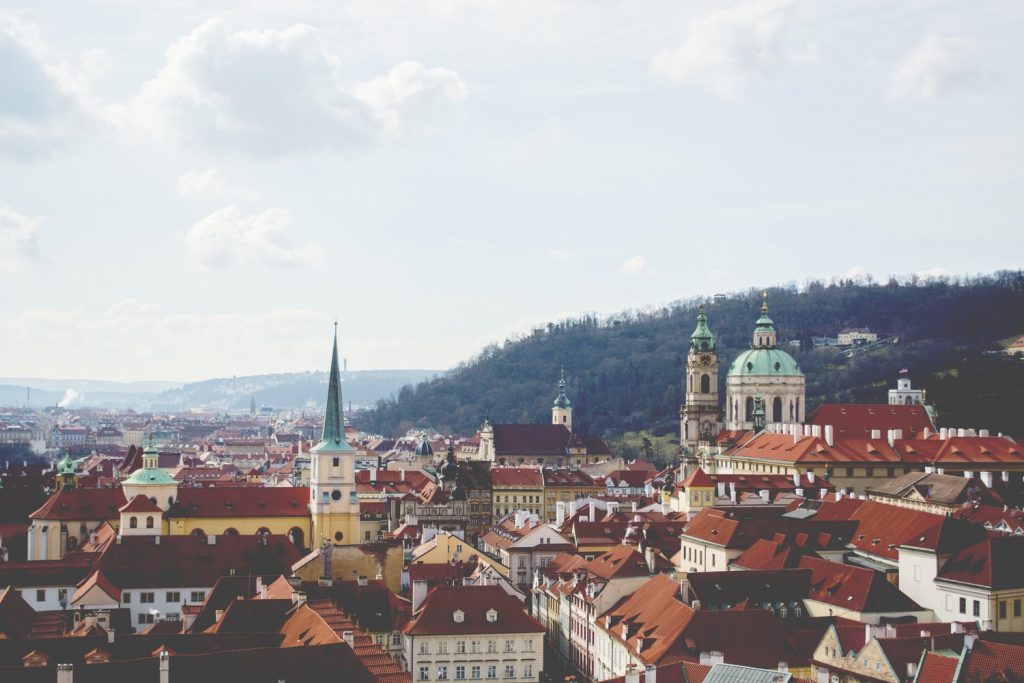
(333, 436)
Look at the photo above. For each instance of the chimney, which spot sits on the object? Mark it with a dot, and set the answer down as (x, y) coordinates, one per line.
(65, 673)
(940, 470)
(969, 640)
(784, 667)
(110, 637)
(1006, 476)
(911, 670)
(890, 437)
(816, 431)
(867, 633)
(721, 489)
(650, 674)
(928, 469)
(810, 477)
(830, 435)
(926, 432)
(401, 474)
(350, 638)
(211, 539)
(983, 432)
(218, 615)
(876, 434)
(766, 495)
(799, 492)
(695, 605)
(732, 491)
(943, 433)
(572, 509)
(419, 593)
(156, 540)
(822, 492)
(560, 513)
(373, 475)
(165, 667)
(796, 479)
(968, 474)
(961, 432)
(632, 674)
(633, 504)
(363, 581)
(593, 511)
(987, 479)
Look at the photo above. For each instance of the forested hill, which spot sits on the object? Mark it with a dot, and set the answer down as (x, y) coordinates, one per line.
(625, 372)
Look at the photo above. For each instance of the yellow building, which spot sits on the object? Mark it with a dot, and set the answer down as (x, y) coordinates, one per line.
(446, 548)
(333, 502)
(516, 488)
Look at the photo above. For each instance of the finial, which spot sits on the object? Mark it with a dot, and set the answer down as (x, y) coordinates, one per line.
(764, 302)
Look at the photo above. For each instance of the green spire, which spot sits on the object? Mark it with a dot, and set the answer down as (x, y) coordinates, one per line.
(562, 401)
(764, 323)
(333, 437)
(702, 339)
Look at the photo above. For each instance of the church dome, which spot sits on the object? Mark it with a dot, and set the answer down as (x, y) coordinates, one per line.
(67, 466)
(765, 362)
(424, 448)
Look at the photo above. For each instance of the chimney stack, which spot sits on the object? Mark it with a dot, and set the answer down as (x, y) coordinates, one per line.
(65, 673)
(350, 638)
(165, 667)
(632, 674)
(830, 435)
(559, 513)
(650, 674)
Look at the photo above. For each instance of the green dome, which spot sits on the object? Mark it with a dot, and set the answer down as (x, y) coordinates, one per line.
(765, 362)
(67, 466)
(702, 339)
(150, 476)
(562, 401)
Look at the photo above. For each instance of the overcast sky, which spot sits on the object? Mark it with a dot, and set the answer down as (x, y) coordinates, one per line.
(196, 191)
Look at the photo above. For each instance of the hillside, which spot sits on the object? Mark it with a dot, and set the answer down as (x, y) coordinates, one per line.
(625, 372)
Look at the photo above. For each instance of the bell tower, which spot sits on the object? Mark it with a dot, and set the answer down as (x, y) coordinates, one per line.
(561, 411)
(700, 413)
(333, 504)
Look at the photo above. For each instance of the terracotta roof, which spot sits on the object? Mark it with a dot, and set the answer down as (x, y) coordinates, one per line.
(140, 503)
(516, 477)
(882, 528)
(64, 572)
(252, 616)
(772, 554)
(994, 563)
(622, 561)
(258, 501)
(436, 616)
(650, 621)
(937, 667)
(84, 504)
(854, 588)
(698, 479)
(992, 662)
(858, 419)
(761, 587)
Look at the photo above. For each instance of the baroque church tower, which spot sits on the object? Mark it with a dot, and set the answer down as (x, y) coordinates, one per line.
(561, 411)
(700, 413)
(333, 504)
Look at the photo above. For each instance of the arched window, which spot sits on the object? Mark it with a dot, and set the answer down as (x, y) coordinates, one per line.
(777, 410)
(798, 410)
(750, 408)
(705, 384)
(149, 522)
(792, 416)
(231, 531)
(909, 400)
(296, 536)
(133, 523)
(198, 532)
(263, 531)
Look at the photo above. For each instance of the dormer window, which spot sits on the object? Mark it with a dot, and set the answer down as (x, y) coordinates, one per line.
(492, 615)
(458, 616)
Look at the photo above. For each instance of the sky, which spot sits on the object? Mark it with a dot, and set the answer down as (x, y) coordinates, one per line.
(195, 190)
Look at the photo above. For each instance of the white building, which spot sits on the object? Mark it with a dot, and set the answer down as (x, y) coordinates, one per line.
(904, 394)
(473, 633)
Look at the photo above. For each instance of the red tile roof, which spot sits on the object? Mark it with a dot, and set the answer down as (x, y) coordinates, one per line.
(283, 501)
(854, 588)
(992, 662)
(937, 667)
(515, 477)
(994, 563)
(140, 503)
(698, 479)
(436, 616)
(858, 419)
(84, 504)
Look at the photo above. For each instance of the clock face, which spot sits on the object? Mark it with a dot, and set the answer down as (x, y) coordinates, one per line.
(705, 359)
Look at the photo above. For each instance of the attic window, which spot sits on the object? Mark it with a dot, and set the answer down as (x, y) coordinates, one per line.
(459, 616)
(492, 615)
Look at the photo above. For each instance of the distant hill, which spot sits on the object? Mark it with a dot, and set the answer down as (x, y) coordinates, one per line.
(279, 391)
(625, 371)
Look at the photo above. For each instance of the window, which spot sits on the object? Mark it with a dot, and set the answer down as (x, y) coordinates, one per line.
(476, 671)
(146, 618)
(197, 596)
(492, 670)
(510, 671)
(335, 462)
(528, 645)
(396, 638)
(149, 522)
(527, 670)
(1016, 607)
(522, 561)
(460, 646)
(424, 673)
(126, 598)
(963, 605)
(40, 595)
(977, 608)
(133, 522)
(442, 673)
(475, 646)
(146, 597)
(424, 647)
(173, 596)
(442, 647)
(460, 672)
(510, 646)
(492, 646)
(1002, 609)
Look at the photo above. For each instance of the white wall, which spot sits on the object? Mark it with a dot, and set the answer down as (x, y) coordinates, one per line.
(527, 656)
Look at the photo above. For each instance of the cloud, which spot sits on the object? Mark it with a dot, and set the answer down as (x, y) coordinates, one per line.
(724, 48)
(634, 265)
(168, 344)
(282, 91)
(37, 100)
(229, 235)
(210, 183)
(934, 67)
(17, 240)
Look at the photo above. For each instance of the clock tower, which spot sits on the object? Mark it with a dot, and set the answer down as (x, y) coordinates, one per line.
(700, 413)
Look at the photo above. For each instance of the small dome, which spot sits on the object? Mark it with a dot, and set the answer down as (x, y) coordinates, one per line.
(765, 362)
(67, 466)
(424, 448)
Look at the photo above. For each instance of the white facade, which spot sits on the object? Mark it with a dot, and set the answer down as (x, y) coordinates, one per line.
(904, 394)
(148, 605)
(510, 658)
